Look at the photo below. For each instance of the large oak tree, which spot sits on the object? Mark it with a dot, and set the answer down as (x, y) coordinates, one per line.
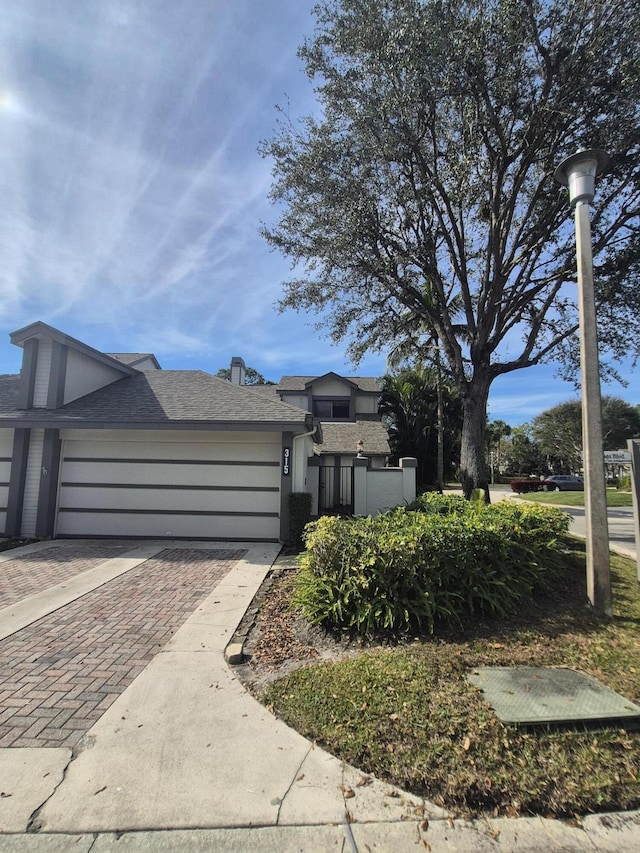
(423, 186)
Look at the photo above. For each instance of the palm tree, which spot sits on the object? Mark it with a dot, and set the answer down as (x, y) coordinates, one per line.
(412, 402)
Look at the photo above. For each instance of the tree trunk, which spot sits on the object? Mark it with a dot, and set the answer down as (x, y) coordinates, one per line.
(473, 469)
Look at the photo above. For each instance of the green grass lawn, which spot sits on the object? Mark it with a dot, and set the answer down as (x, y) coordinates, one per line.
(614, 498)
(407, 713)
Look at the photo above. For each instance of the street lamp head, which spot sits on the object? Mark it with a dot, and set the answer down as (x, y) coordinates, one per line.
(579, 172)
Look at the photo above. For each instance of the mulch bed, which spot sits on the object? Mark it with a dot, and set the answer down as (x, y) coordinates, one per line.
(277, 640)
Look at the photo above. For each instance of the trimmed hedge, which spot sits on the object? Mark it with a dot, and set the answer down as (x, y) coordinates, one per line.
(524, 486)
(411, 570)
(299, 516)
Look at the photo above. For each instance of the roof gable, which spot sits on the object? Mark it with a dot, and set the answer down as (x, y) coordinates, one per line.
(330, 377)
(139, 360)
(364, 384)
(42, 331)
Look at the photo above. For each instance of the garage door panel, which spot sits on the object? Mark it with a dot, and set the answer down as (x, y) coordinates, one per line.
(204, 489)
(208, 500)
(158, 474)
(238, 451)
(159, 525)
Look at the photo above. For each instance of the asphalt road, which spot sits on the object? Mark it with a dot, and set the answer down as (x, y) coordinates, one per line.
(621, 528)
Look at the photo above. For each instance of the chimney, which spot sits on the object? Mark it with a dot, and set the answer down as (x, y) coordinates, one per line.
(238, 368)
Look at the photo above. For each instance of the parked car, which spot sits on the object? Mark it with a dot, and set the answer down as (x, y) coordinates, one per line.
(564, 483)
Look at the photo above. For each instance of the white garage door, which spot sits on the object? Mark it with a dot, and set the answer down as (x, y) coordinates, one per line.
(6, 449)
(177, 484)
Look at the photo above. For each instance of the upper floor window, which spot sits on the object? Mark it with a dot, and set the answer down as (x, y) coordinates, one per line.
(331, 409)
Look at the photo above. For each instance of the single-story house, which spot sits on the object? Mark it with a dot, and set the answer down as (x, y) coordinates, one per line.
(108, 444)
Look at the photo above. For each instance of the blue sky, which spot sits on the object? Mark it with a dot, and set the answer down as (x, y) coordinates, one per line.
(132, 191)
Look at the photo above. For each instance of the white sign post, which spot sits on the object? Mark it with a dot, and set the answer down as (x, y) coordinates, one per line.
(634, 451)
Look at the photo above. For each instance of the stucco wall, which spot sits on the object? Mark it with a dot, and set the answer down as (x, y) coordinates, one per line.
(384, 489)
(377, 490)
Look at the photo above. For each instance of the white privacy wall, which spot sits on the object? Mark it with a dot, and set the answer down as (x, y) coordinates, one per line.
(376, 490)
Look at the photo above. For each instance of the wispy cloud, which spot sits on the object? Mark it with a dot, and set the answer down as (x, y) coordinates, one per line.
(130, 180)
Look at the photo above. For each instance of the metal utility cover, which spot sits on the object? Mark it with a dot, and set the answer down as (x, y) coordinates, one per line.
(529, 695)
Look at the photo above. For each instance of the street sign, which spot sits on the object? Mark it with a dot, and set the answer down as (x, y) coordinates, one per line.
(617, 457)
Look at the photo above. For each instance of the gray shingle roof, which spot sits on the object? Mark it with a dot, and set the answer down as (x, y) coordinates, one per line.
(9, 389)
(343, 437)
(132, 358)
(160, 397)
(299, 383)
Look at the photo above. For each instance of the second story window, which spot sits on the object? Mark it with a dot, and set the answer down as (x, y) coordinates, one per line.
(331, 409)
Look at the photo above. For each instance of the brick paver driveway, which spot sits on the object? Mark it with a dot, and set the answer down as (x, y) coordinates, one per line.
(61, 673)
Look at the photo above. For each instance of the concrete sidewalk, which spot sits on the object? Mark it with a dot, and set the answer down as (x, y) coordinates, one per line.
(185, 759)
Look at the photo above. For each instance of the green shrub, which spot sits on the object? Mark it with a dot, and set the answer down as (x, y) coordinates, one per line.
(624, 483)
(437, 504)
(410, 570)
(299, 516)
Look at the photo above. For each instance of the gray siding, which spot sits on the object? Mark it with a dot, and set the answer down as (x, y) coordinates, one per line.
(6, 450)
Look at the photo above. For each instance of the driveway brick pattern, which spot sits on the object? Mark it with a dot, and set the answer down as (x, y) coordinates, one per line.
(33, 573)
(60, 674)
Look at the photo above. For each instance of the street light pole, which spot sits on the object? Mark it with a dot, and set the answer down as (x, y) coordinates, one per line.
(578, 172)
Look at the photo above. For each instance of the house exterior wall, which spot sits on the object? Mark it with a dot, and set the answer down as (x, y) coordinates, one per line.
(302, 450)
(84, 375)
(42, 374)
(6, 453)
(331, 388)
(299, 400)
(366, 404)
(212, 485)
(32, 483)
(146, 364)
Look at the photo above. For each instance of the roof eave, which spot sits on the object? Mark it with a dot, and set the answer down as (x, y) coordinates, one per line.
(40, 329)
(54, 422)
